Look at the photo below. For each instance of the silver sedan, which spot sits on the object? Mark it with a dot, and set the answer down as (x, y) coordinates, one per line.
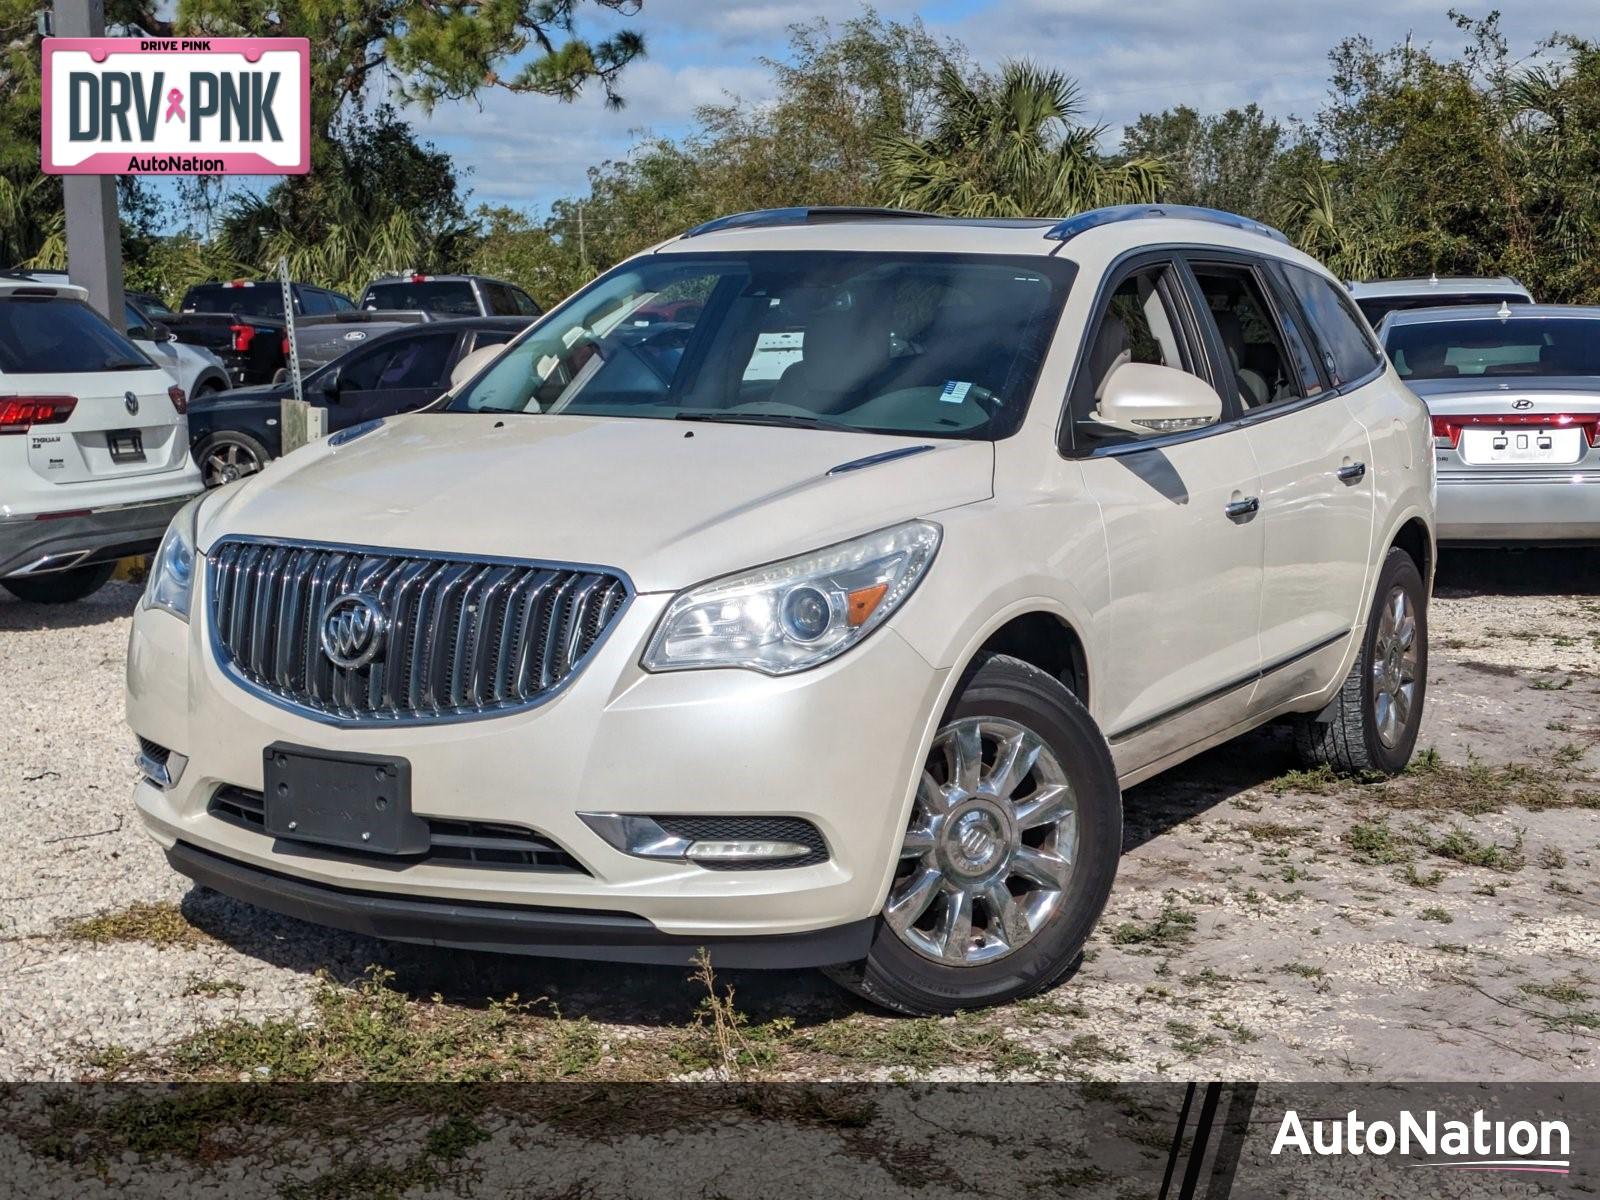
(1514, 392)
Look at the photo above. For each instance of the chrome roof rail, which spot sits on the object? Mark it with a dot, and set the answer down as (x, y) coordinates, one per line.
(765, 217)
(1070, 228)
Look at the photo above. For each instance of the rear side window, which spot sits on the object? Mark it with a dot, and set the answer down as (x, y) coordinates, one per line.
(315, 303)
(341, 303)
(1347, 349)
(501, 302)
(250, 300)
(409, 363)
(526, 306)
(451, 298)
(52, 336)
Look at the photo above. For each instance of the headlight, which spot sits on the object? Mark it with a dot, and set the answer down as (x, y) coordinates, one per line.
(796, 613)
(171, 583)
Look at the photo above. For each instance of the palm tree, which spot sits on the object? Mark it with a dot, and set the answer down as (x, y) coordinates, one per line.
(1011, 147)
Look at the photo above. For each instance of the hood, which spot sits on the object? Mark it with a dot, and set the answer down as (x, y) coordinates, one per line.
(670, 503)
(243, 397)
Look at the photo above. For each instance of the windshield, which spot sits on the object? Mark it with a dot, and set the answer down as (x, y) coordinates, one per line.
(1516, 346)
(447, 298)
(927, 344)
(48, 335)
(256, 300)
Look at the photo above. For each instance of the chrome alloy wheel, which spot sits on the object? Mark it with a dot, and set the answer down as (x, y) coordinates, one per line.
(1394, 666)
(991, 846)
(226, 461)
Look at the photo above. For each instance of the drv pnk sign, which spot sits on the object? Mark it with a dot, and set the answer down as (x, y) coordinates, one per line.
(177, 106)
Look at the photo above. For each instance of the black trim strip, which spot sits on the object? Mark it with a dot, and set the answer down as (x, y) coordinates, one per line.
(512, 929)
(1187, 706)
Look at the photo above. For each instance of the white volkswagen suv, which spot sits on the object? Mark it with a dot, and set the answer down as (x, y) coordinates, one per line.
(94, 446)
(806, 588)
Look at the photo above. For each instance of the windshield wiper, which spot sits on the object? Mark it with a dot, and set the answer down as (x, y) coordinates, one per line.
(792, 420)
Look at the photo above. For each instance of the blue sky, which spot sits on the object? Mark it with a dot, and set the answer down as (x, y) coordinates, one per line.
(1129, 57)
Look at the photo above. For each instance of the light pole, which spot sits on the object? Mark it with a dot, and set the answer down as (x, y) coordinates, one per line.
(94, 235)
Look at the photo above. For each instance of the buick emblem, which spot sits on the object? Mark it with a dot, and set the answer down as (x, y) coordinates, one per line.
(1522, 404)
(353, 629)
(130, 402)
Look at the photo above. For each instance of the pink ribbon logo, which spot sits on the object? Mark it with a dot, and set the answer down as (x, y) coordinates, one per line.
(175, 105)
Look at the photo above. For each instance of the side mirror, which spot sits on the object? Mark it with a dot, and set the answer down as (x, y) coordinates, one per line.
(473, 363)
(161, 333)
(328, 387)
(1146, 399)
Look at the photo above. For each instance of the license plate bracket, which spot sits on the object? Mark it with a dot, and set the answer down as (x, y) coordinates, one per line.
(353, 801)
(126, 445)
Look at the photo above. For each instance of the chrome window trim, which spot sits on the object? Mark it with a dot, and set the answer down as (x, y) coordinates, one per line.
(226, 665)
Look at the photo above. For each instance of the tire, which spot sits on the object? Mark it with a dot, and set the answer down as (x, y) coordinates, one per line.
(60, 587)
(209, 388)
(229, 455)
(1358, 734)
(974, 842)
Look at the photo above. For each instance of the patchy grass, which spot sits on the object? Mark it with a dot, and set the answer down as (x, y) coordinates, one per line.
(373, 1032)
(157, 924)
(1438, 915)
(1476, 788)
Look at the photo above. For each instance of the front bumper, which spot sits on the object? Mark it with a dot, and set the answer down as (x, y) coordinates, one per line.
(1519, 506)
(39, 543)
(839, 746)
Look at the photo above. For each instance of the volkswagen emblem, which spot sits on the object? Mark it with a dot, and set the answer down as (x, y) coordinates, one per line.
(1522, 404)
(130, 402)
(353, 629)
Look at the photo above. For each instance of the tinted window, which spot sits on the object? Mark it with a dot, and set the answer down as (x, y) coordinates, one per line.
(417, 362)
(1263, 370)
(937, 345)
(1347, 350)
(1375, 308)
(1518, 346)
(251, 300)
(341, 303)
(138, 324)
(492, 337)
(46, 335)
(501, 302)
(315, 303)
(525, 303)
(446, 297)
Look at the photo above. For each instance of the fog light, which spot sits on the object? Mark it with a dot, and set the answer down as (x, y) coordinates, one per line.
(729, 851)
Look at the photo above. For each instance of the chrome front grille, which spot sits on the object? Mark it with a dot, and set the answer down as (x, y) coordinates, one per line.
(458, 638)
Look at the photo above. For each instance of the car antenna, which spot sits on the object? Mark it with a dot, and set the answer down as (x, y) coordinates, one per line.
(1505, 311)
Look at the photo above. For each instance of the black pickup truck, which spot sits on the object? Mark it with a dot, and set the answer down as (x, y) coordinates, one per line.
(241, 322)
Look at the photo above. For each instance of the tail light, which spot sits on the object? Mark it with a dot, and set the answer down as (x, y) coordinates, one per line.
(18, 414)
(286, 345)
(243, 335)
(180, 402)
(1447, 429)
(420, 278)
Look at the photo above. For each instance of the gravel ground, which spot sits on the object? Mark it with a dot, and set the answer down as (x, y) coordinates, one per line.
(1264, 925)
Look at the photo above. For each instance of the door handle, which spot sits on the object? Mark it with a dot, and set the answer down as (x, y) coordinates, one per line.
(1351, 472)
(1243, 508)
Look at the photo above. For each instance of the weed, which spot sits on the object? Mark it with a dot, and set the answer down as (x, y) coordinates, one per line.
(1418, 879)
(1438, 915)
(1376, 844)
(1461, 846)
(1172, 929)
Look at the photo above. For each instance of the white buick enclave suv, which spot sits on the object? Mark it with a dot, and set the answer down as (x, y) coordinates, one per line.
(806, 588)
